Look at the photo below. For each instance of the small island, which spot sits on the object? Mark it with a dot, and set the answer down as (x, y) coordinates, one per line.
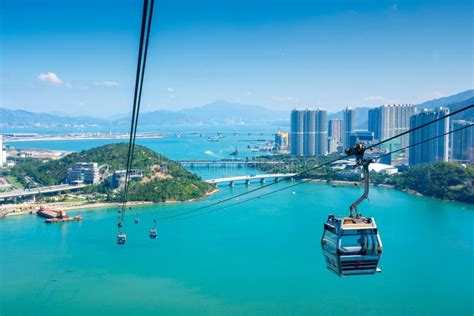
(100, 175)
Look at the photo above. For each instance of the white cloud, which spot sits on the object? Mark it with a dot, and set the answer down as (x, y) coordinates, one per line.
(374, 98)
(438, 94)
(51, 78)
(285, 99)
(106, 84)
(171, 93)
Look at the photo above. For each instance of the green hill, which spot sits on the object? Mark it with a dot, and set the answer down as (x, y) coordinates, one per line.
(442, 180)
(164, 179)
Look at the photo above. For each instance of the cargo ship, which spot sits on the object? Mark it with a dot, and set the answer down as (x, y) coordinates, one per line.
(47, 213)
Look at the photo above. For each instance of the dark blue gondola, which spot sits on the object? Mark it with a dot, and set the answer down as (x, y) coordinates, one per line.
(153, 232)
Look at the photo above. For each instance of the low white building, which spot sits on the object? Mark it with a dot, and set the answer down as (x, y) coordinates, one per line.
(382, 168)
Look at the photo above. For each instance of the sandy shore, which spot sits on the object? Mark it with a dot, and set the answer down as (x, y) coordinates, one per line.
(32, 208)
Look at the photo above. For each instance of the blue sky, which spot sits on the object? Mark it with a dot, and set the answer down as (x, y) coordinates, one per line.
(78, 57)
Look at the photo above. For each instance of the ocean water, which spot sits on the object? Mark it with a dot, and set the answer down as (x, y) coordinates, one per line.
(258, 258)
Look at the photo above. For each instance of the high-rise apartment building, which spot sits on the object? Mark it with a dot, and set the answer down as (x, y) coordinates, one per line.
(308, 132)
(297, 133)
(3, 154)
(281, 141)
(463, 141)
(364, 137)
(335, 130)
(333, 145)
(348, 126)
(310, 117)
(375, 123)
(434, 150)
(390, 120)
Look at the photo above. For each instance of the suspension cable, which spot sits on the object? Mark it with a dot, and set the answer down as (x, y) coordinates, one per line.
(299, 174)
(141, 65)
(178, 216)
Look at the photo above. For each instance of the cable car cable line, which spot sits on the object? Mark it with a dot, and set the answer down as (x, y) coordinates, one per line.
(178, 216)
(318, 166)
(147, 15)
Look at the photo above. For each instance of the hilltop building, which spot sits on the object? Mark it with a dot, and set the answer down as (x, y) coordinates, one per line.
(348, 126)
(84, 172)
(117, 180)
(308, 132)
(434, 150)
(463, 142)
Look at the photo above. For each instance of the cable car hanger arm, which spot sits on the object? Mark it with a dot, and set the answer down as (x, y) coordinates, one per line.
(358, 151)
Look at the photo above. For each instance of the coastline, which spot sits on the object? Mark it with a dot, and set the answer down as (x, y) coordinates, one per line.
(64, 138)
(353, 183)
(32, 208)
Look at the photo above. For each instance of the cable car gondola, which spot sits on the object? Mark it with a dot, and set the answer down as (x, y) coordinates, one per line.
(352, 245)
(121, 238)
(153, 231)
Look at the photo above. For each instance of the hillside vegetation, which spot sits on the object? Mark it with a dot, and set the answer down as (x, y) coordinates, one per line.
(447, 181)
(172, 183)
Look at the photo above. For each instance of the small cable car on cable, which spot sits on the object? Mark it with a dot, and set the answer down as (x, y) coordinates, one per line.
(352, 245)
(121, 238)
(153, 231)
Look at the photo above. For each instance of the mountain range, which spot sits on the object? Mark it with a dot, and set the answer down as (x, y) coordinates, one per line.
(215, 113)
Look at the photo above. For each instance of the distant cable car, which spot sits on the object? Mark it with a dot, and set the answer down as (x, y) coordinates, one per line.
(153, 231)
(352, 245)
(121, 238)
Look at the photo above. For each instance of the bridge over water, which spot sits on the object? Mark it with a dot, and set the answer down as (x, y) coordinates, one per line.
(247, 179)
(226, 163)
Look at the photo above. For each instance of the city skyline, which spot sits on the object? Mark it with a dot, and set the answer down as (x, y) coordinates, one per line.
(331, 55)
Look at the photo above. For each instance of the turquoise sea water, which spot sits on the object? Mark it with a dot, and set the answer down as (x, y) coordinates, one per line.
(258, 258)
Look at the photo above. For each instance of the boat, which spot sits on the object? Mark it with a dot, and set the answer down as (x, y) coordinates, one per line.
(213, 139)
(235, 152)
(63, 219)
(47, 213)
